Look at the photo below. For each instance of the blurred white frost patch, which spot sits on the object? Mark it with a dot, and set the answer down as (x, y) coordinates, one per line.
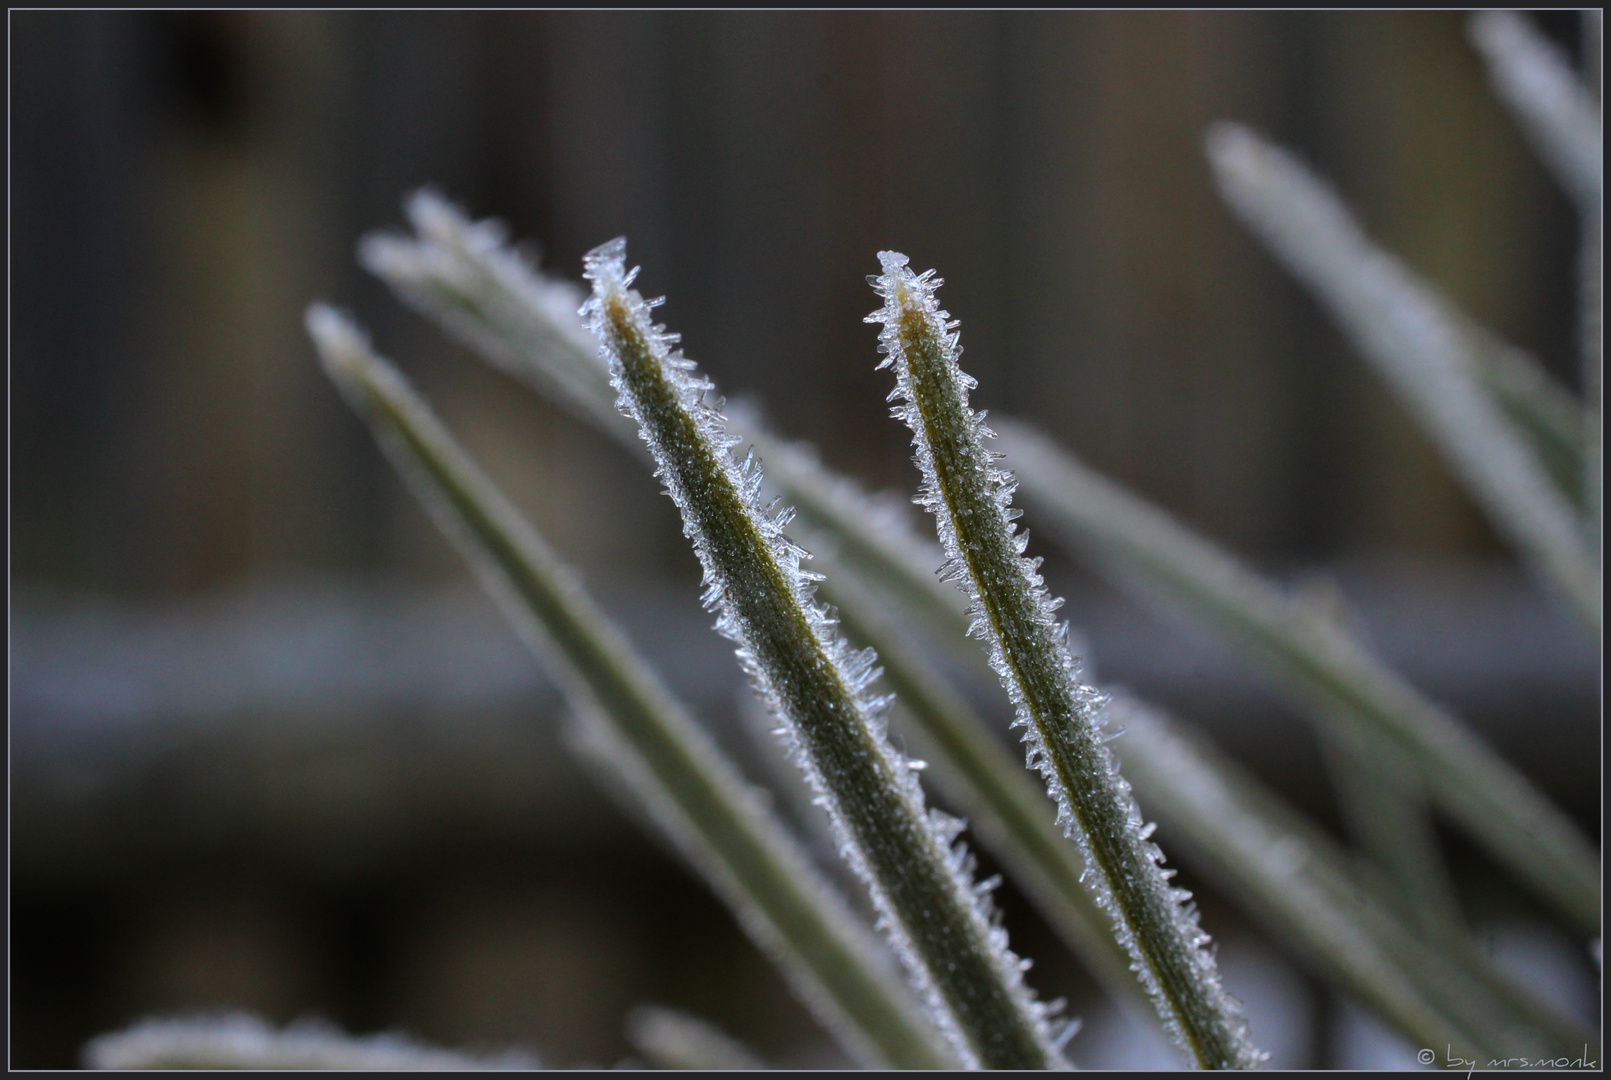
(1548, 963)
(242, 1041)
(1360, 1041)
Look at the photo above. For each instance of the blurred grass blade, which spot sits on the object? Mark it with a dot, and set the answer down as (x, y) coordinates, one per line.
(1342, 682)
(1061, 715)
(1561, 117)
(242, 1041)
(464, 275)
(1410, 334)
(1434, 987)
(1556, 111)
(1539, 407)
(689, 788)
(920, 880)
(1380, 794)
(1379, 787)
(671, 1039)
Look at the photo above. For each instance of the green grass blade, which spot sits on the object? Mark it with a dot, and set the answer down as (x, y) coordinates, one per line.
(627, 716)
(1007, 810)
(1557, 113)
(1417, 344)
(1061, 716)
(866, 534)
(1341, 680)
(1539, 407)
(1432, 985)
(939, 922)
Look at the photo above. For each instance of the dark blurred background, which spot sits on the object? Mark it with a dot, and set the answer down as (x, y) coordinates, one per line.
(269, 749)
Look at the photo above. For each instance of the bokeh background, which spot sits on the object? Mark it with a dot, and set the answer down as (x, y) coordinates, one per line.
(269, 750)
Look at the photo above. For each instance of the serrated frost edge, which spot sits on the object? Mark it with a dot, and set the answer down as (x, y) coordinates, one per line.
(911, 308)
(614, 310)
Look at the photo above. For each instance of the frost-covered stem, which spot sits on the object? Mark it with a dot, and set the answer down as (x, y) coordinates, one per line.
(1560, 115)
(1556, 111)
(242, 1041)
(1340, 680)
(1006, 809)
(920, 884)
(971, 500)
(627, 717)
(1418, 344)
(670, 1039)
(1429, 982)
(1384, 804)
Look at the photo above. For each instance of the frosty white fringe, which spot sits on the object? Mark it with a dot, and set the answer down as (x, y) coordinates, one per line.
(920, 878)
(1341, 680)
(972, 504)
(651, 751)
(1558, 114)
(242, 1041)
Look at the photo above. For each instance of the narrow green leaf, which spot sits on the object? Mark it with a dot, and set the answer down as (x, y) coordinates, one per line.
(939, 922)
(971, 502)
(1557, 114)
(867, 535)
(1341, 681)
(1007, 810)
(1418, 345)
(628, 717)
(1541, 409)
(1379, 787)
(1431, 984)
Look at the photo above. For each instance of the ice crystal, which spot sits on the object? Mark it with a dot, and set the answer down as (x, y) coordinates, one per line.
(1062, 717)
(918, 874)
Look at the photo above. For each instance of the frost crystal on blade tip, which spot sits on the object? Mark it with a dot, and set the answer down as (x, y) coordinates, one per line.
(820, 689)
(1013, 614)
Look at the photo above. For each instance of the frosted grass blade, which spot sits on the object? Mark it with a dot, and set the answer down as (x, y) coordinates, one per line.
(1409, 333)
(242, 1041)
(464, 276)
(1431, 984)
(1341, 680)
(671, 1039)
(1061, 716)
(626, 716)
(1008, 811)
(1557, 114)
(1378, 785)
(867, 534)
(921, 881)
(1327, 931)
(1561, 118)
(1540, 408)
